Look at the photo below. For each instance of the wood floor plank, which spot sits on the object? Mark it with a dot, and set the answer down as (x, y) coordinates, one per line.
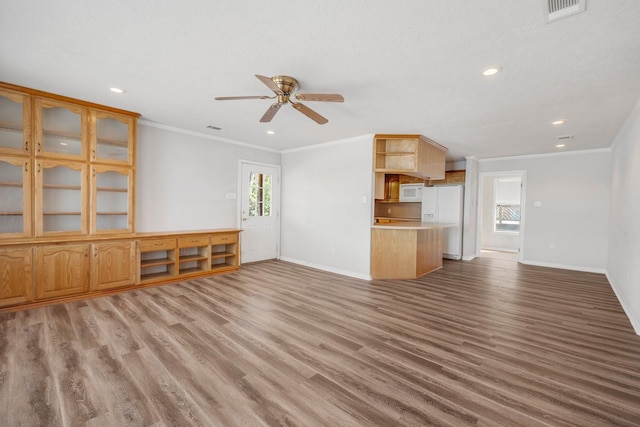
(481, 343)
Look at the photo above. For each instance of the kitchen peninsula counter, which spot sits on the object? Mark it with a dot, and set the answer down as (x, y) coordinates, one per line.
(405, 250)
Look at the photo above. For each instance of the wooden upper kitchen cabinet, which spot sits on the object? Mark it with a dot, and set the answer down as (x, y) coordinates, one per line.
(414, 155)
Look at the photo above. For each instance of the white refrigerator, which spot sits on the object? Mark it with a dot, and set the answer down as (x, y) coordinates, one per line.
(444, 204)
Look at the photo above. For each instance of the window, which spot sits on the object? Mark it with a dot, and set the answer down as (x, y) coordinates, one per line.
(259, 194)
(507, 204)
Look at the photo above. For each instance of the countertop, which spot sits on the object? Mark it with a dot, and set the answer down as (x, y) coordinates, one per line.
(413, 225)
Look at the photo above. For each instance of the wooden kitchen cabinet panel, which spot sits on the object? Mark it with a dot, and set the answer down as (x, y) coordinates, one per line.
(62, 270)
(16, 276)
(414, 155)
(15, 122)
(114, 265)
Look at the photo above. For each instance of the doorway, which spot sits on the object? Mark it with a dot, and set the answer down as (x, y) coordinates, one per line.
(501, 215)
(259, 204)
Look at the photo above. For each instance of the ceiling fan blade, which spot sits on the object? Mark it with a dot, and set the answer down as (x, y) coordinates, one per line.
(309, 113)
(227, 98)
(331, 97)
(273, 109)
(270, 84)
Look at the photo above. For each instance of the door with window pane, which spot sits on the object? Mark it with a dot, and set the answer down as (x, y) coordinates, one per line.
(260, 213)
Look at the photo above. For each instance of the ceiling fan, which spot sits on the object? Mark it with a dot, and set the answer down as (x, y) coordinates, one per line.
(284, 86)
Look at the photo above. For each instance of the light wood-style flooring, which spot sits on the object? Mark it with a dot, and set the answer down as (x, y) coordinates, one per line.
(484, 342)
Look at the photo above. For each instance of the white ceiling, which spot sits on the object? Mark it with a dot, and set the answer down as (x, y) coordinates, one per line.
(409, 66)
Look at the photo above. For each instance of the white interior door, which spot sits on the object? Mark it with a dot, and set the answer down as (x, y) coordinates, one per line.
(260, 211)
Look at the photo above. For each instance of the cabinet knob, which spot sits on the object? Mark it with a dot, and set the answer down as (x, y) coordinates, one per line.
(38, 147)
(26, 146)
(26, 166)
(93, 154)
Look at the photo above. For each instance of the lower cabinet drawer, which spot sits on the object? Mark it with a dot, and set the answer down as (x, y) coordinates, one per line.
(193, 241)
(157, 244)
(223, 239)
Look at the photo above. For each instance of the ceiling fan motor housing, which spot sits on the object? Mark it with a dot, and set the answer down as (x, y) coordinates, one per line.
(287, 85)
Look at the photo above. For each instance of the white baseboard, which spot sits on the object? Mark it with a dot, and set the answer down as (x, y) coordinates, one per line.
(327, 268)
(635, 323)
(565, 266)
(495, 248)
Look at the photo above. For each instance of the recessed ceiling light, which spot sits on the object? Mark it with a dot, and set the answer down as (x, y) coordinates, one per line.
(117, 90)
(560, 145)
(271, 132)
(559, 122)
(491, 71)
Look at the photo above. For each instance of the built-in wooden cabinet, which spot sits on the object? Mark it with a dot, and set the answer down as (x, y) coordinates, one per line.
(62, 270)
(224, 251)
(67, 182)
(114, 265)
(414, 155)
(157, 259)
(16, 276)
(79, 156)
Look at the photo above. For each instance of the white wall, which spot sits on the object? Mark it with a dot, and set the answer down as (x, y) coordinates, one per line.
(325, 223)
(623, 263)
(182, 179)
(470, 221)
(570, 229)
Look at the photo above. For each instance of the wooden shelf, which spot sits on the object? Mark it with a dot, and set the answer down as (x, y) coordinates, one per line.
(191, 270)
(11, 184)
(11, 213)
(112, 213)
(11, 126)
(62, 134)
(60, 187)
(62, 213)
(113, 142)
(155, 262)
(113, 189)
(151, 277)
(222, 254)
(188, 258)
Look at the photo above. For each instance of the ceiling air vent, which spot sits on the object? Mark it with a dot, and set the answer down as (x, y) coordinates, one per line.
(558, 9)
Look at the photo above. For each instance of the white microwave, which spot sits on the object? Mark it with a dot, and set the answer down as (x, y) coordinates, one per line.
(411, 192)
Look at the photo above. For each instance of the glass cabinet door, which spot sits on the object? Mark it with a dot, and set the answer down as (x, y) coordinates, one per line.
(61, 129)
(15, 196)
(112, 138)
(111, 199)
(61, 197)
(15, 122)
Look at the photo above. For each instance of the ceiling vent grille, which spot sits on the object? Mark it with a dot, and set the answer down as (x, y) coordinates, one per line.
(558, 9)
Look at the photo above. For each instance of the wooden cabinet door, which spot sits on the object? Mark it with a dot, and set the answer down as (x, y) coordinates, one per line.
(62, 270)
(60, 129)
(112, 138)
(61, 198)
(111, 199)
(16, 276)
(114, 265)
(15, 196)
(15, 122)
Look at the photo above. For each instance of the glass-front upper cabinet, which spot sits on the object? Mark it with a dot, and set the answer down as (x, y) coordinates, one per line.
(15, 196)
(111, 199)
(60, 129)
(61, 197)
(112, 138)
(15, 122)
